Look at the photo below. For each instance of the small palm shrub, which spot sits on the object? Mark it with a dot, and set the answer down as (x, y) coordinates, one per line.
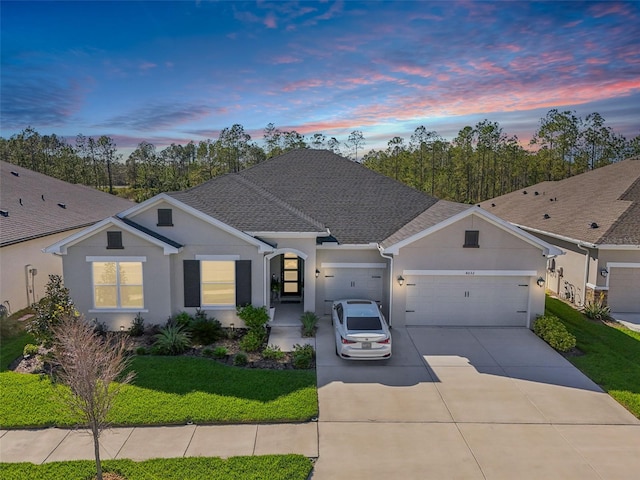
(597, 310)
(240, 360)
(220, 352)
(309, 323)
(552, 331)
(207, 352)
(302, 356)
(272, 352)
(137, 326)
(141, 351)
(172, 340)
(253, 340)
(205, 331)
(183, 319)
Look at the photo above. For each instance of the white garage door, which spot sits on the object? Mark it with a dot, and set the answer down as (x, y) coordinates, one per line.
(624, 290)
(342, 283)
(467, 301)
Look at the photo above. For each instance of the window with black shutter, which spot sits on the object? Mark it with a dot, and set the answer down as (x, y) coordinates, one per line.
(114, 240)
(165, 217)
(471, 238)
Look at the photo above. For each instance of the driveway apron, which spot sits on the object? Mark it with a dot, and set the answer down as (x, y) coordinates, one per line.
(467, 403)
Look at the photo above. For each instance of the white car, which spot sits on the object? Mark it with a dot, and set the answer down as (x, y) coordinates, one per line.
(361, 330)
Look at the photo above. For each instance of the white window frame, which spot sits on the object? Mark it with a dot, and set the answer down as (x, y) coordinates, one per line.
(116, 260)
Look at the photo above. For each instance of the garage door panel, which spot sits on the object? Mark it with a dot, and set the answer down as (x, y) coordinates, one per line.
(343, 283)
(624, 290)
(467, 301)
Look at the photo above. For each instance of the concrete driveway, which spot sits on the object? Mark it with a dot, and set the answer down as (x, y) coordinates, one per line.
(486, 403)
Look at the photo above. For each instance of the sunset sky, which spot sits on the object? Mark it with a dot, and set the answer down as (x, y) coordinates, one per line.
(177, 71)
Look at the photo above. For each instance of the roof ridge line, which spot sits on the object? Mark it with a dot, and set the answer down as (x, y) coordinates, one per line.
(282, 203)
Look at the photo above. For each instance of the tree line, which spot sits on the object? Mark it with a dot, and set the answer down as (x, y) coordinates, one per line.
(481, 162)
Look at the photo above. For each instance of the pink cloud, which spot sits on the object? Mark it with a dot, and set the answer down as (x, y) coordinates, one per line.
(270, 21)
(286, 59)
(599, 10)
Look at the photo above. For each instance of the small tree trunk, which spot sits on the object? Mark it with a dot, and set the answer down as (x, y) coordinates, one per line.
(96, 447)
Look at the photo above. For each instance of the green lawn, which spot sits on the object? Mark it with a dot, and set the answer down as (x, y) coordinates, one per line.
(173, 390)
(611, 355)
(268, 467)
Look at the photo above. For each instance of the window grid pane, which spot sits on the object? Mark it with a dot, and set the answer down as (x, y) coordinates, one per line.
(118, 285)
(218, 282)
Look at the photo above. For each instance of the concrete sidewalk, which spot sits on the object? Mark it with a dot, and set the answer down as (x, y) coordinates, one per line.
(141, 443)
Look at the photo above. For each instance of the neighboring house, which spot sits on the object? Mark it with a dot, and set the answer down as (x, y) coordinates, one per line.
(318, 226)
(36, 211)
(595, 218)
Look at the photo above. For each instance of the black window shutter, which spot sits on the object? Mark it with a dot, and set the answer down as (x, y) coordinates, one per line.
(191, 283)
(243, 282)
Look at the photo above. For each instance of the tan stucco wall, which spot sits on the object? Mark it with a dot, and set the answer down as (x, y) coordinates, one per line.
(14, 258)
(499, 250)
(156, 278)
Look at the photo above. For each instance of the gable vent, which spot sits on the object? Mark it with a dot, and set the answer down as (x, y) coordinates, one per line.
(15, 174)
(62, 205)
(4, 213)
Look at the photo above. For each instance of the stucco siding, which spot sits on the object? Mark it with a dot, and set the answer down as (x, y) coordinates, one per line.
(156, 271)
(13, 277)
(499, 251)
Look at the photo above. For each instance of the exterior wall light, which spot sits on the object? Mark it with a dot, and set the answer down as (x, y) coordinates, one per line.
(317, 273)
(122, 328)
(540, 281)
(604, 272)
(400, 280)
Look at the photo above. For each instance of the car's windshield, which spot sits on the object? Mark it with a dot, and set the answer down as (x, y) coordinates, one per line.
(363, 323)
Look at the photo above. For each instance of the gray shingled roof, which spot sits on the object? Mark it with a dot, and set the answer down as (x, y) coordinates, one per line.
(607, 196)
(306, 191)
(36, 217)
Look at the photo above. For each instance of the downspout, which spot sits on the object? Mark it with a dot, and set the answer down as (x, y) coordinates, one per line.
(586, 273)
(390, 258)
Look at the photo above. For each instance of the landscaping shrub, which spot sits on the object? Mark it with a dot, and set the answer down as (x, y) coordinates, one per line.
(240, 360)
(54, 306)
(141, 351)
(205, 331)
(30, 349)
(255, 318)
(172, 340)
(302, 356)
(597, 310)
(220, 352)
(207, 352)
(183, 319)
(273, 352)
(99, 328)
(137, 326)
(309, 322)
(552, 331)
(253, 340)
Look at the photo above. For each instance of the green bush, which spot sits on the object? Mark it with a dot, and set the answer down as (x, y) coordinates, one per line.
(273, 352)
(207, 352)
(255, 318)
(137, 326)
(30, 349)
(157, 350)
(183, 319)
(205, 331)
(302, 356)
(240, 360)
(141, 351)
(220, 352)
(552, 331)
(172, 340)
(309, 322)
(597, 310)
(50, 310)
(253, 340)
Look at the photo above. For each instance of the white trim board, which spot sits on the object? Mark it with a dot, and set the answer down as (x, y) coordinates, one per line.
(352, 265)
(218, 258)
(119, 258)
(472, 273)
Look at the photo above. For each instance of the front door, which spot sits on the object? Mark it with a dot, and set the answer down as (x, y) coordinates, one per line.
(291, 275)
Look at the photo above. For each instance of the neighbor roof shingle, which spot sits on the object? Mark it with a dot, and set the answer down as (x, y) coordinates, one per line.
(39, 214)
(607, 196)
(307, 191)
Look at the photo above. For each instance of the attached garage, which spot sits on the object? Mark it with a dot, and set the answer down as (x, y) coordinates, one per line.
(352, 280)
(624, 288)
(468, 298)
